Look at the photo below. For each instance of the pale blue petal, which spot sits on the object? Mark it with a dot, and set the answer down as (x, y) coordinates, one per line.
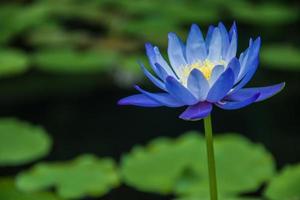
(225, 38)
(234, 64)
(215, 46)
(195, 48)
(209, 36)
(232, 49)
(198, 84)
(176, 53)
(215, 73)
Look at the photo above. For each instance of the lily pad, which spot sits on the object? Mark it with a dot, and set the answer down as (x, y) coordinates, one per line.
(8, 191)
(179, 166)
(85, 176)
(285, 186)
(282, 57)
(158, 166)
(235, 157)
(12, 62)
(21, 142)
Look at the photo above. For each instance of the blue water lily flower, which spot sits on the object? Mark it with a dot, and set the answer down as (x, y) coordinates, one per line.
(203, 73)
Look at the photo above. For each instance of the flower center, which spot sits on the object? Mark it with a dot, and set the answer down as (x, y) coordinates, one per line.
(205, 67)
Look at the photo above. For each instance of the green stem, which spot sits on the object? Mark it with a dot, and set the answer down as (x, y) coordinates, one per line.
(210, 159)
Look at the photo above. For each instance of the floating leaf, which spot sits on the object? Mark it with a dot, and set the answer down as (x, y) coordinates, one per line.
(12, 62)
(21, 142)
(84, 176)
(281, 57)
(157, 167)
(234, 156)
(179, 166)
(285, 186)
(9, 192)
(71, 61)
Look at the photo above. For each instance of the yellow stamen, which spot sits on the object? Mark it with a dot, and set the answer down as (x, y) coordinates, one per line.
(205, 67)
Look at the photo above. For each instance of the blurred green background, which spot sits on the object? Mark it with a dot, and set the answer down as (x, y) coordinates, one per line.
(65, 63)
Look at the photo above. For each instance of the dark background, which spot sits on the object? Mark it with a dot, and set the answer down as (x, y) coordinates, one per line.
(78, 108)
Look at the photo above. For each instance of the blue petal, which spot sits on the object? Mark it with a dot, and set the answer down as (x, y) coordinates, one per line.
(215, 74)
(225, 38)
(232, 49)
(161, 98)
(155, 57)
(209, 36)
(233, 30)
(197, 112)
(198, 84)
(152, 78)
(234, 64)
(176, 53)
(195, 47)
(221, 87)
(178, 91)
(215, 46)
(248, 70)
(139, 100)
(232, 105)
(251, 58)
(265, 92)
(161, 72)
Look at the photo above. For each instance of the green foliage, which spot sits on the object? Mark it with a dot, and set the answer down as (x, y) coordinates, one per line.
(12, 62)
(71, 61)
(281, 57)
(168, 166)
(85, 176)
(8, 191)
(95, 36)
(285, 186)
(267, 14)
(21, 142)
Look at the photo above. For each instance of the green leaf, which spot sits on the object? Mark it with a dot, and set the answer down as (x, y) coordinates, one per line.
(21, 142)
(8, 191)
(235, 157)
(179, 166)
(281, 57)
(12, 62)
(267, 14)
(285, 186)
(158, 166)
(84, 176)
(72, 61)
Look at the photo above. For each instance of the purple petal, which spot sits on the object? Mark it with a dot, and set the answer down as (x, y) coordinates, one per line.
(197, 112)
(221, 87)
(178, 91)
(265, 92)
(232, 105)
(161, 98)
(139, 100)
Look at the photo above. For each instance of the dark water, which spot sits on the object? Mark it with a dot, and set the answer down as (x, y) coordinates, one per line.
(81, 115)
